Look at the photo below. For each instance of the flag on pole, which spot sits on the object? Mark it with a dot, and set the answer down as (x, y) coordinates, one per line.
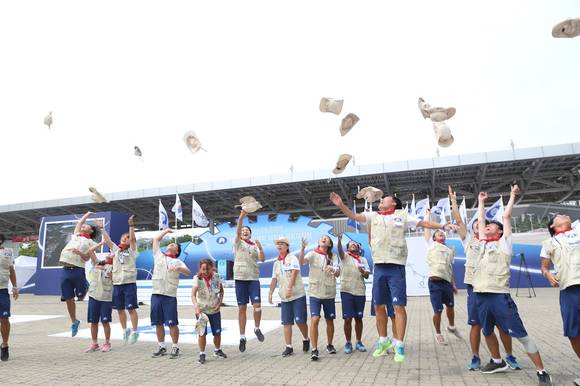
(463, 211)
(406, 207)
(442, 209)
(198, 215)
(413, 208)
(351, 222)
(163, 217)
(177, 209)
(421, 208)
(495, 212)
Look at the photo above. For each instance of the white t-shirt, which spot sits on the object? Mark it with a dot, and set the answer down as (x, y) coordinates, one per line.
(292, 265)
(556, 240)
(6, 262)
(505, 245)
(412, 221)
(313, 254)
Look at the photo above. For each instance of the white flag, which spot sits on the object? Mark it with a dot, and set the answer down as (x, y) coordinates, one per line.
(495, 212)
(413, 208)
(463, 211)
(421, 208)
(198, 215)
(177, 209)
(163, 217)
(442, 209)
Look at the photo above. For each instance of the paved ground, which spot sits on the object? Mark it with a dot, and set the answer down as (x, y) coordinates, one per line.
(37, 358)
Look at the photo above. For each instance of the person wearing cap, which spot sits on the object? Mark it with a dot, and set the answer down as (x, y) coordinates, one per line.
(324, 269)
(441, 282)
(125, 280)
(207, 294)
(7, 274)
(72, 258)
(471, 248)
(100, 299)
(492, 292)
(354, 270)
(563, 249)
(286, 276)
(247, 253)
(389, 251)
(165, 280)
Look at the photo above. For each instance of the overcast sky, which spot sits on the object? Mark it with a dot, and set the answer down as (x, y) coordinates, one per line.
(248, 76)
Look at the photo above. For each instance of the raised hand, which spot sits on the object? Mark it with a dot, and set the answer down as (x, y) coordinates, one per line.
(131, 220)
(515, 189)
(304, 243)
(335, 199)
(482, 196)
(452, 194)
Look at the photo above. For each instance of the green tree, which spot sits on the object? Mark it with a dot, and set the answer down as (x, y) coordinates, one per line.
(28, 249)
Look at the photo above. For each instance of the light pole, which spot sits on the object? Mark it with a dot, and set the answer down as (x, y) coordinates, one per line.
(530, 215)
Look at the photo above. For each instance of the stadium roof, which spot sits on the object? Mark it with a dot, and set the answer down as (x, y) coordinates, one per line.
(546, 174)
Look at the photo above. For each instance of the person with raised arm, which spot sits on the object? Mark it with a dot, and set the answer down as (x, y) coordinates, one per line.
(7, 274)
(389, 250)
(491, 287)
(247, 253)
(165, 280)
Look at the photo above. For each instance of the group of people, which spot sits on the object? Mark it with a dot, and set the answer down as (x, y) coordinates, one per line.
(487, 245)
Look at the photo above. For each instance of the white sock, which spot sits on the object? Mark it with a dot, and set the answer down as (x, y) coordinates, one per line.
(289, 345)
(382, 339)
(541, 371)
(242, 337)
(174, 345)
(397, 342)
(202, 353)
(496, 361)
(161, 344)
(451, 327)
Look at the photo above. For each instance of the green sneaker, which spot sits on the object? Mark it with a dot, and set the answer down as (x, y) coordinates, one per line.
(382, 348)
(399, 353)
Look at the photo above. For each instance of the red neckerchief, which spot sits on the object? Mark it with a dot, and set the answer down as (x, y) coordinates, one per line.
(249, 242)
(207, 279)
(442, 241)
(321, 252)
(123, 247)
(386, 212)
(85, 235)
(353, 255)
(282, 258)
(562, 231)
(496, 238)
(170, 255)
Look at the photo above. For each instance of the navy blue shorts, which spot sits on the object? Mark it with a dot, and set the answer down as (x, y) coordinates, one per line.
(389, 284)
(215, 323)
(99, 311)
(501, 311)
(248, 291)
(125, 297)
(352, 306)
(73, 283)
(4, 304)
(472, 315)
(390, 308)
(440, 292)
(570, 309)
(294, 311)
(327, 304)
(163, 310)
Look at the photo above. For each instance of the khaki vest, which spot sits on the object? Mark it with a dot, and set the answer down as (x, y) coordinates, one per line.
(283, 279)
(492, 270)
(6, 261)
(565, 254)
(471, 256)
(124, 267)
(440, 261)
(246, 261)
(100, 286)
(388, 243)
(82, 244)
(321, 285)
(351, 280)
(208, 298)
(163, 281)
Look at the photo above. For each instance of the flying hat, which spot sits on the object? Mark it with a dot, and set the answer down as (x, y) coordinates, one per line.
(97, 196)
(138, 152)
(48, 120)
(201, 324)
(442, 134)
(370, 193)
(435, 114)
(347, 123)
(192, 142)
(282, 240)
(249, 204)
(330, 105)
(567, 29)
(343, 160)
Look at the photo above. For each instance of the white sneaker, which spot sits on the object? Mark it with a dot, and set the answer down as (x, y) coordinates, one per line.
(440, 339)
(455, 332)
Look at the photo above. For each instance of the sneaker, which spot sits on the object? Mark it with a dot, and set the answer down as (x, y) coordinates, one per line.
(201, 359)
(544, 379)
(577, 382)
(74, 328)
(512, 362)
(360, 347)
(4, 355)
(455, 332)
(382, 348)
(331, 350)
(306, 345)
(314, 355)
(93, 347)
(126, 334)
(475, 364)
(174, 354)
(259, 334)
(493, 367)
(201, 324)
(106, 347)
(219, 354)
(161, 351)
(288, 351)
(134, 337)
(440, 339)
(242, 345)
(399, 353)
(348, 348)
